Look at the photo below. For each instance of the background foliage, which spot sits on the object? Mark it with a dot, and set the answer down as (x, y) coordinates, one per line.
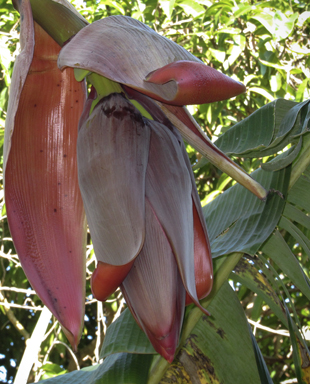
(264, 45)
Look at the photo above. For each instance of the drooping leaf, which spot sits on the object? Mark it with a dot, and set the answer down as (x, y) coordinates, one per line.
(294, 340)
(283, 160)
(299, 193)
(266, 131)
(277, 249)
(295, 214)
(261, 365)
(302, 239)
(246, 273)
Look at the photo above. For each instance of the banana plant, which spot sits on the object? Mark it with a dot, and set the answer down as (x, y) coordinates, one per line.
(118, 153)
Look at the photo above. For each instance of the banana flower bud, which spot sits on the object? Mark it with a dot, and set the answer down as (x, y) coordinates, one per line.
(132, 169)
(144, 216)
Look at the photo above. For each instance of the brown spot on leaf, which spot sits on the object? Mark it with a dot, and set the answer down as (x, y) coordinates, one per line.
(221, 332)
(191, 366)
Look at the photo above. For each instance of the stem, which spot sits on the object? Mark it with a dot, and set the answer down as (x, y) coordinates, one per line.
(60, 21)
(10, 315)
(104, 87)
(212, 153)
(33, 346)
(141, 109)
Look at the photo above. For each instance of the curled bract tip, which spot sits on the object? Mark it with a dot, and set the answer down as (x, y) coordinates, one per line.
(107, 278)
(196, 82)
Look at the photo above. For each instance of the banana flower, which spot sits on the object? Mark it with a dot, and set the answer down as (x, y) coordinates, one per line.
(124, 162)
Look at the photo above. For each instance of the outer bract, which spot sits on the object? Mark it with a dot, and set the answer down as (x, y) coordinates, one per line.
(44, 206)
(112, 153)
(154, 291)
(153, 65)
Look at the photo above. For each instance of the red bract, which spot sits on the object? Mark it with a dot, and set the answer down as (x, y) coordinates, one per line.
(194, 80)
(44, 206)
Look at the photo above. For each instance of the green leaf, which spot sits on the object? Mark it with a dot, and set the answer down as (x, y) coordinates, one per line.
(168, 7)
(263, 92)
(266, 131)
(220, 5)
(283, 160)
(295, 214)
(115, 5)
(261, 365)
(276, 82)
(120, 368)
(52, 370)
(248, 274)
(218, 54)
(294, 341)
(283, 26)
(256, 132)
(191, 7)
(277, 249)
(266, 20)
(299, 193)
(301, 89)
(243, 9)
(296, 233)
(278, 25)
(124, 335)
(239, 222)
